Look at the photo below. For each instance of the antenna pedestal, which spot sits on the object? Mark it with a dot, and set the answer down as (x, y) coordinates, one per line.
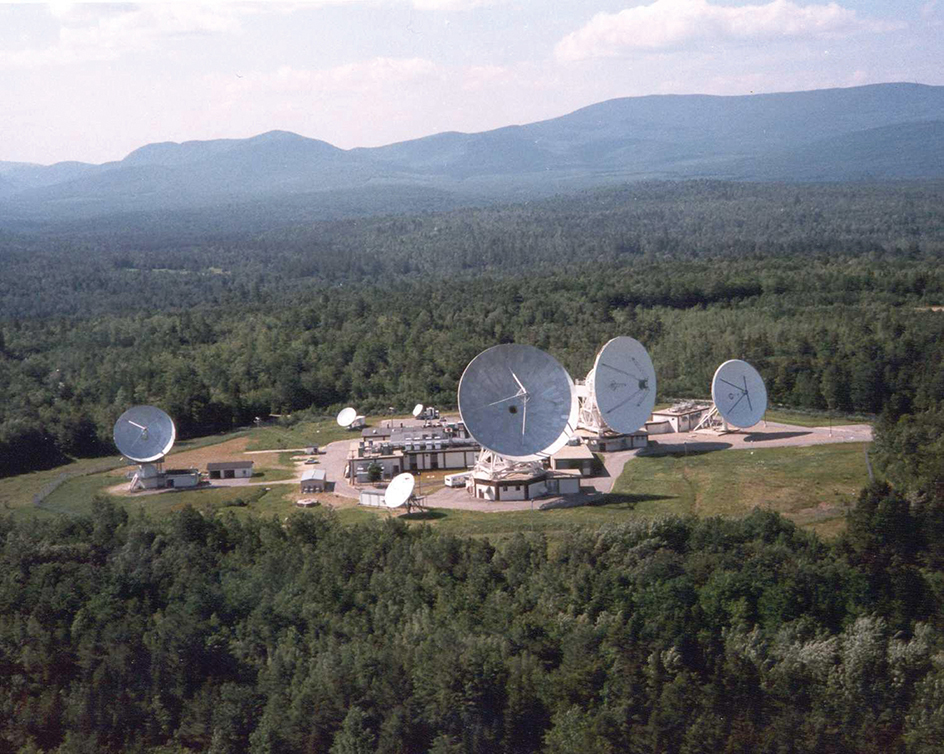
(492, 466)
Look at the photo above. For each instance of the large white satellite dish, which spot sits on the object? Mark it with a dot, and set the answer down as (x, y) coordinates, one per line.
(399, 490)
(417, 410)
(517, 401)
(347, 416)
(569, 430)
(739, 393)
(624, 384)
(144, 434)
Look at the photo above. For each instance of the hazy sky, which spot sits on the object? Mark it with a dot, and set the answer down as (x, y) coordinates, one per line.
(93, 81)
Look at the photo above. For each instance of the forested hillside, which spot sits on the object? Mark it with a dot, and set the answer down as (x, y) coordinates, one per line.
(827, 290)
(202, 633)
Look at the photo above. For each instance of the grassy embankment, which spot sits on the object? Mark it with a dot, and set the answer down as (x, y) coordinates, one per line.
(812, 486)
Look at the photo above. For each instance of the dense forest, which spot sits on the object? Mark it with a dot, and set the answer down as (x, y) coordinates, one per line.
(827, 290)
(203, 633)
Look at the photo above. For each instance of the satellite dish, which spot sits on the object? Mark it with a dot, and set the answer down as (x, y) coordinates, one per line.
(417, 410)
(569, 432)
(517, 401)
(144, 434)
(347, 416)
(399, 490)
(739, 393)
(624, 384)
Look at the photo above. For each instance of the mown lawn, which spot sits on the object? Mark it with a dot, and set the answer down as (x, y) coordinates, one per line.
(803, 419)
(276, 436)
(812, 486)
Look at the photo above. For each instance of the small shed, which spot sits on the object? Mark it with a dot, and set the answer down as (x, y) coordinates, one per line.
(230, 470)
(313, 481)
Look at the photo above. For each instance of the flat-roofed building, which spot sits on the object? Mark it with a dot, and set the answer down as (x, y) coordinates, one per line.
(682, 417)
(574, 458)
(313, 481)
(372, 497)
(409, 448)
(181, 478)
(610, 443)
(525, 485)
(230, 469)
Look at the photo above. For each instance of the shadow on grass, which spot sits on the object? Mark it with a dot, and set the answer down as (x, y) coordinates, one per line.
(625, 501)
(685, 449)
(762, 436)
(429, 515)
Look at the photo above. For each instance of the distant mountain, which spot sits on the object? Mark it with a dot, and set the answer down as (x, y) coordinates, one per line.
(878, 132)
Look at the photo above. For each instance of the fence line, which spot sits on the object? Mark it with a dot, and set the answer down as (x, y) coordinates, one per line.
(40, 497)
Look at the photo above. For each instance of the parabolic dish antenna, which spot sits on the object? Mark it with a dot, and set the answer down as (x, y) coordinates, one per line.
(347, 416)
(624, 384)
(399, 490)
(144, 433)
(739, 393)
(417, 410)
(517, 401)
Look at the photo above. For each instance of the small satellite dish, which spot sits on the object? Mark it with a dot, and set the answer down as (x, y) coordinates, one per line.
(624, 384)
(739, 393)
(144, 434)
(417, 410)
(347, 416)
(399, 490)
(517, 401)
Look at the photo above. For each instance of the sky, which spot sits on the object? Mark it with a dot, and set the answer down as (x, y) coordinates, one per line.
(94, 81)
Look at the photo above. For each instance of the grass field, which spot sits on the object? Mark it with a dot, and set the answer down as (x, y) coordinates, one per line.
(802, 419)
(812, 486)
(322, 432)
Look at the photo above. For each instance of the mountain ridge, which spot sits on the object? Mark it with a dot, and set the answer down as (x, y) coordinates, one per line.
(873, 132)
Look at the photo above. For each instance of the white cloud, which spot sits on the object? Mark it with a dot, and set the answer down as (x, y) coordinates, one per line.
(669, 24)
(99, 31)
(452, 5)
(359, 77)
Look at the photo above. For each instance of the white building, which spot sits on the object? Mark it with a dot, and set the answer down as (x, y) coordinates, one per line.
(607, 442)
(313, 481)
(372, 497)
(524, 485)
(682, 417)
(409, 448)
(181, 478)
(577, 458)
(230, 470)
